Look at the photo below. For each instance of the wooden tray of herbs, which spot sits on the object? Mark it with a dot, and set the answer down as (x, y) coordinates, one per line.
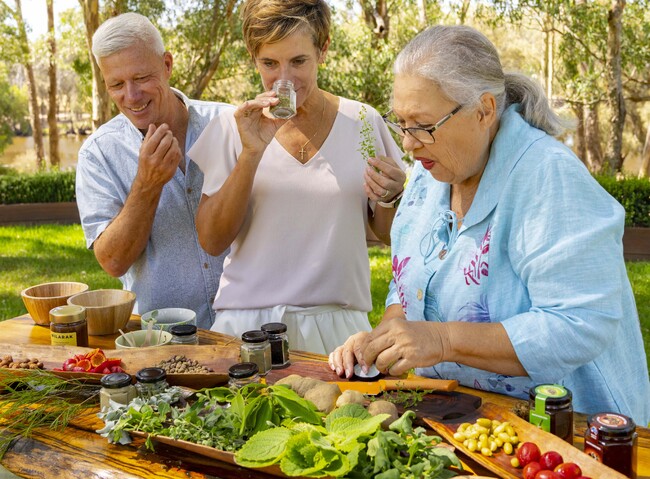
(213, 357)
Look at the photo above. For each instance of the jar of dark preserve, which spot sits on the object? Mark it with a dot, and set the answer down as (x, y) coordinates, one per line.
(68, 326)
(279, 344)
(551, 410)
(611, 438)
(241, 374)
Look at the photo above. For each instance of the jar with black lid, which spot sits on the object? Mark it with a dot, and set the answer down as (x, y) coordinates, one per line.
(611, 438)
(551, 410)
(151, 381)
(279, 344)
(184, 334)
(68, 326)
(241, 374)
(256, 349)
(116, 387)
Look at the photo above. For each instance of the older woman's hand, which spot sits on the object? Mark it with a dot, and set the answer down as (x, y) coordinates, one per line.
(397, 345)
(343, 358)
(256, 130)
(384, 180)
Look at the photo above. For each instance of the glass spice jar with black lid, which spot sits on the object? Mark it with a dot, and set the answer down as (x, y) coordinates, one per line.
(241, 374)
(151, 381)
(255, 348)
(611, 439)
(184, 334)
(551, 410)
(116, 387)
(279, 344)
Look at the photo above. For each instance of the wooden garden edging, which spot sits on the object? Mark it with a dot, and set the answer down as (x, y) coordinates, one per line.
(636, 241)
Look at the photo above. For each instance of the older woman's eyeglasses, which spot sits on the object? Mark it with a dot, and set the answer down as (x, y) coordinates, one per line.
(423, 135)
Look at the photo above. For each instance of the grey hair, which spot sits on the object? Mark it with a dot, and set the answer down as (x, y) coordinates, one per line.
(464, 64)
(123, 31)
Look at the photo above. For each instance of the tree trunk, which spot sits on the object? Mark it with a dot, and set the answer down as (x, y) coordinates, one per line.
(37, 129)
(211, 66)
(615, 86)
(580, 145)
(422, 13)
(55, 159)
(375, 14)
(549, 47)
(594, 158)
(644, 171)
(101, 100)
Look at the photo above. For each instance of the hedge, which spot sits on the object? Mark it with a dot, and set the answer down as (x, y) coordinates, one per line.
(53, 187)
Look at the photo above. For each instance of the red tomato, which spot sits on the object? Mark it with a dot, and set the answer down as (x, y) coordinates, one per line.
(546, 474)
(528, 452)
(568, 470)
(550, 460)
(531, 469)
(583, 477)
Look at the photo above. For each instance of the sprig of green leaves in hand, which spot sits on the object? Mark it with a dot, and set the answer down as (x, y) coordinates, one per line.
(367, 140)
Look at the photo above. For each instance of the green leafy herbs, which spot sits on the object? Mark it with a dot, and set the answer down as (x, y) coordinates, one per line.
(367, 141)
(253, 408)
(351, 444)
(40, 399)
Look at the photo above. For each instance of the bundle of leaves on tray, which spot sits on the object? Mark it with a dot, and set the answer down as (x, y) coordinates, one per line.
(272, 425)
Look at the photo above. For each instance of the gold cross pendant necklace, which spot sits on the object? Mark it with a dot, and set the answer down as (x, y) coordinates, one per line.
(302, 150)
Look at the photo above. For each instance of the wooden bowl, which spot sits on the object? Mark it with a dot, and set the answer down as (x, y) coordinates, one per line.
(107, 310)
(40, 299)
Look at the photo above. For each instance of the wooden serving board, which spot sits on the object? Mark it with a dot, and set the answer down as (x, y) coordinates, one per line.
(499, 463)
(215, 357)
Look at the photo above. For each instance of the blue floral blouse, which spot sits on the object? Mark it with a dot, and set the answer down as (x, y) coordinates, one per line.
(540, 251)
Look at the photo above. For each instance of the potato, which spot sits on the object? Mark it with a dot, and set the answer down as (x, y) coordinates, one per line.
(324, 396)
(384, 407)
(350, 397)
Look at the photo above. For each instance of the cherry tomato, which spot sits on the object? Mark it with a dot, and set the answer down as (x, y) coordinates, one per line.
(528, 452)
(546, 474)
(550, 460)
(531, 469)
(568, 470)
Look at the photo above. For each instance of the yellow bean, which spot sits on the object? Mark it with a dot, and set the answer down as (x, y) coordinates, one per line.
(504, 437)
(510, 430)
(463, 426)
(472, 445)
(485, 422)
(459, 436)
(507, 448)
(486, 451)
(514, 462)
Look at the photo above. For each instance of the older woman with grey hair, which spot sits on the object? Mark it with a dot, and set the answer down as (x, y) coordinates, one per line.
(507, 256)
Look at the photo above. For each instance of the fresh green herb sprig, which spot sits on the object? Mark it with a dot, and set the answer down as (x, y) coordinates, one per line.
(406, 398)
(367, 141)
(40, 399)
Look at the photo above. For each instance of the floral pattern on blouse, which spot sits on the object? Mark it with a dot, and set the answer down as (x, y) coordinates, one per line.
(398, 269)
(478, 266)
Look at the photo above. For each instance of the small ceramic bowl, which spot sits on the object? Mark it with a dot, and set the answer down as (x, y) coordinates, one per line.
(156, 338)
(165, 318)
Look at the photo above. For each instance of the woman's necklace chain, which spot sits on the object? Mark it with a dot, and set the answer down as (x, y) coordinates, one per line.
(302, 150)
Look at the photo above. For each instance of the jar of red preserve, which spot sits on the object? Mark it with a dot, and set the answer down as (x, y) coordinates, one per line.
(611, 438)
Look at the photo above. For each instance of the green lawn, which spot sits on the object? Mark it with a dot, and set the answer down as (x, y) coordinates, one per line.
(38, 254)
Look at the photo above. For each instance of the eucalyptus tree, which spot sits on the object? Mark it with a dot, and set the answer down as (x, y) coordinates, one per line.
(53, 105)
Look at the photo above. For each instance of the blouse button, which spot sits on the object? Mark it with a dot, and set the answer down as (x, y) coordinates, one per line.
(442, 254)
(420, 295)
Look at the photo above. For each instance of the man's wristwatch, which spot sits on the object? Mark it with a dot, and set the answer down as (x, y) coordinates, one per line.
(394, 203)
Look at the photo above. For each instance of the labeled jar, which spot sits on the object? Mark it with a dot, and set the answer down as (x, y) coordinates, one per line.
(151, 381)
(279, 344)
(256, 349)
(68, 326)
(116, 387)
(184, 334)
(611, 439)
(241, 374)
(286, 107)
(551, 410)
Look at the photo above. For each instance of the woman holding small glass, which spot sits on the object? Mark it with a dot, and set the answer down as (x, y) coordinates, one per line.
(292, 197)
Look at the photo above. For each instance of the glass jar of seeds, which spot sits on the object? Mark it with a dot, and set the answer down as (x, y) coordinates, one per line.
(256, 349)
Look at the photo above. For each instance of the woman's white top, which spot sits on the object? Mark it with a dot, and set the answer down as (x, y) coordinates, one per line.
(303, 242)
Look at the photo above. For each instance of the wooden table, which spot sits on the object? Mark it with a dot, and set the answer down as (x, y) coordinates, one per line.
(78, 452)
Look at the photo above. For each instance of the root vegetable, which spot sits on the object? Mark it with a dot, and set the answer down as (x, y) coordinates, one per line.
(384, 407)
(323, 395)
(350, 397)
